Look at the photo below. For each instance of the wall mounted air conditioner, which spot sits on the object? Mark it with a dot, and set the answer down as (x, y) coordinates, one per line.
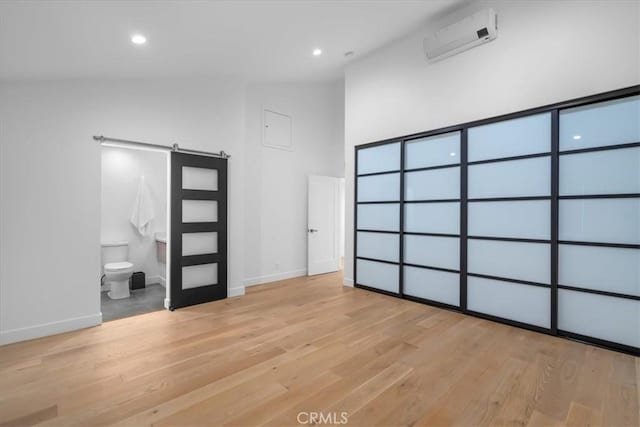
(474, 30)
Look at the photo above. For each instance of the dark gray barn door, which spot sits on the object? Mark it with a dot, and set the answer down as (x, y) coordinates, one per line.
(198, 229)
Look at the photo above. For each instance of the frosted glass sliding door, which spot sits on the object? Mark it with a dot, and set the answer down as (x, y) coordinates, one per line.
(514, 178)
(378, 188)
(433, 285)
(378, 217)
(432, 218)
(599, 222)
(531, 220)
(600, 172)
(608, 269)
(509, 220)
(602, 124)
(381, 158)
(438, 150)
(610, 220)
(438, 184)
(509, 138)
(528, 219)
(602, 317)
(520, 303)
(431, 240)
(382, 246)
(378, 275)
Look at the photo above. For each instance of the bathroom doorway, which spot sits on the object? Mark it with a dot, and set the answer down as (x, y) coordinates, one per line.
(135, 197)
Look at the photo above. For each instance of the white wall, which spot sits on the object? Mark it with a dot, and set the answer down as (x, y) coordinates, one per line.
(546, 52)
(50, 184)
(50, 181)
(276, 197)
(121, 172)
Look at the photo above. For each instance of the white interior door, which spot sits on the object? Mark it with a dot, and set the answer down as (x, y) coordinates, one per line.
(323, 230)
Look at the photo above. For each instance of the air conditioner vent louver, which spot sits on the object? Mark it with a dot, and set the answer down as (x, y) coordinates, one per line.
(477, 29)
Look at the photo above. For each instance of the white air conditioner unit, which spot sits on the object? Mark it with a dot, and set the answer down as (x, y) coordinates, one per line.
(474, 30)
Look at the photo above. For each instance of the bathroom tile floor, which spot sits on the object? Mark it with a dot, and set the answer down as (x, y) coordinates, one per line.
(150, 298)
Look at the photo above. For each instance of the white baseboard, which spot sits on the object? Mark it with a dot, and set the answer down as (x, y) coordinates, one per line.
(347, 282)
(52, 328)
(150, 280)
(275, 277)
(167, 303)
(162, 281)
(235, 292)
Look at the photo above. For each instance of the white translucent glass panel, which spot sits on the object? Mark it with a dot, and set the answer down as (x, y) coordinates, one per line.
(433, 151)
(529, 219)
(379, 188)
(600, 172)
(199, 243)
(195, 276)
(434, 285)
(600, 220)
(433, 184)
(602, 268)
(517, 137)
(511, 260)
(529, 177)
(432, 217)
(443, 252)
(606, 123)
(522, 303)
(379, 159)
(608, 318)
(378, 275)
(199, 178)
(199, 211)
(382, 246)
(383, 217)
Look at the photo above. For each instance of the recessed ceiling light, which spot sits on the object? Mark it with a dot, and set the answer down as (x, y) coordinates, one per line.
(317, 52)
(577, 137)
(452, 154)
(138, 39)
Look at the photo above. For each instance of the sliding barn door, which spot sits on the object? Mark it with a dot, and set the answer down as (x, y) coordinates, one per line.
(198, 229)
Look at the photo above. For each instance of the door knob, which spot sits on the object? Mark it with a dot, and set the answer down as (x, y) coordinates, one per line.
(312, 230)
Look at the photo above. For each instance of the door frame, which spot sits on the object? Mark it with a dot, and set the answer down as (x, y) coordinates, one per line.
(167, 153)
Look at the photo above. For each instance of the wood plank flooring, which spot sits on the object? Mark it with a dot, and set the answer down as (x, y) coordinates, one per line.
(310, 345)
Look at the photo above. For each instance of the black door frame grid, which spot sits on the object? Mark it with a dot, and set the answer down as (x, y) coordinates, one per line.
(186, 297)
(554, 198)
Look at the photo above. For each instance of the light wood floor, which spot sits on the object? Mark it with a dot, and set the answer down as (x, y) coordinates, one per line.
(306, 345)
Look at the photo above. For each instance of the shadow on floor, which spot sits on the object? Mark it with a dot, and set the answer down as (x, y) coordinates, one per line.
(151, 298)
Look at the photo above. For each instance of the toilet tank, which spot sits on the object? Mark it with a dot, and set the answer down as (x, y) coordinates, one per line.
(114, 252)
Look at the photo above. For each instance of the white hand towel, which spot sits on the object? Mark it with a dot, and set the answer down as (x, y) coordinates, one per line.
(142, 209)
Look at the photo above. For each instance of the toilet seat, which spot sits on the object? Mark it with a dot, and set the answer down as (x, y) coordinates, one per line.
(117, 266)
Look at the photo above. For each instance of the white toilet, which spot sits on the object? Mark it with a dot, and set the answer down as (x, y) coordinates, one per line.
(117, 270)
